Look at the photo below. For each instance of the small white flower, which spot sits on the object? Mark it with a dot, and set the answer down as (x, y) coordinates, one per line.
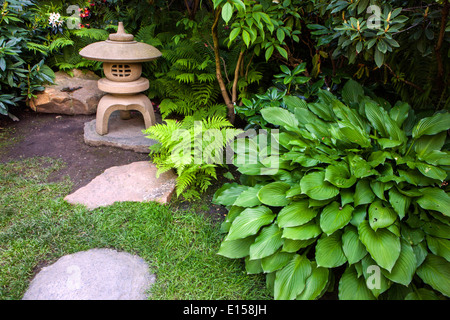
(55, 20)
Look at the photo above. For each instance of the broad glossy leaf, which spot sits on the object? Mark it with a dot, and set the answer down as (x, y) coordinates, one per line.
(363, 193)
(290, 245)
(335, 217)
(316, 283)
(440, 247)
(267, 242)
(248, 198)
(274, 194)
(435, 199)
(399, 202)
(431, 171)
(253, 266)
(235, 249)
(435, 271)
(422, 294)
(339, 175)
(352, 287)
(352, 92)
(304, 232)
(228, 193)
(432, 125)
(399, 113)
(353, 248)
(329, 251)
(295, 214)
(424, 145)
(381, 216)
(405, 266)
(315, 186)
(276, 261)
(280, 117)
(291, 280)
(383, 246)
(227, 12)
(249, 222)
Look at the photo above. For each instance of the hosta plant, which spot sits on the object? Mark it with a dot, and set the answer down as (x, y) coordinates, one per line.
(358, 202)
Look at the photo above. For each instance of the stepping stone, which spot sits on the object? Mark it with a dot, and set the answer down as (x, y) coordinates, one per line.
(132, 182)
(96, 274)
(124, 134)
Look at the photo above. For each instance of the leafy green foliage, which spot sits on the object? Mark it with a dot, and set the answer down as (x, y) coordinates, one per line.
(360, 185)
(193, 148)
(22, 55)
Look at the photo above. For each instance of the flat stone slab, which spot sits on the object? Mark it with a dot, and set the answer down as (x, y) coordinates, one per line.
(124, 134)
(132, 182)
(96, 274)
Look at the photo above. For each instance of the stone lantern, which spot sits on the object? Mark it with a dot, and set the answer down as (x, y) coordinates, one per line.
(122, 59)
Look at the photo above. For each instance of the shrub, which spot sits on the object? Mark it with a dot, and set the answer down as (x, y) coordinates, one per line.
(22, 55)
(360, 188)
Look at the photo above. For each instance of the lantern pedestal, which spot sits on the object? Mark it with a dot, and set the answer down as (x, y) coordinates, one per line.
(110, 103)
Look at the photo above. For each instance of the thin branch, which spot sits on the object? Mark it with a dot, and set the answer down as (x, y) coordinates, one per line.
(403, 80)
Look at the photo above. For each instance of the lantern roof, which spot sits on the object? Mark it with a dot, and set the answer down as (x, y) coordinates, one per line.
(120, 47)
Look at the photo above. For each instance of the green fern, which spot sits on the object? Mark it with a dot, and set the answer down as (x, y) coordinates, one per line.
(193, 159)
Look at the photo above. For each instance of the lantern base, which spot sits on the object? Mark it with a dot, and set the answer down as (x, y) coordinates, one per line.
(110, 103)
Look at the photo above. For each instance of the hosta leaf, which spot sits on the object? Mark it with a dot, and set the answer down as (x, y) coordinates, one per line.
(363, 193)
(381, 216)
(383, 246)
(431, 171)
(315, 186)
(335, 217)
(249, 222)
(399, 202)
(353, 248)
(267, 242)
(253, 266)
(303, 232)
(422, 294)
(424, 145)
(290, 245)
(248, 198)
(274, 194)
(329, 251)
(432, 125)
(399, 113)
(228, 193)
(235, 249)
(435, 271)
(352, 92)
(405, 266)
(437, 229)
(280, 117)
(359, 167)
(276, 261)
(295, 214)
(440, 247)
(291, 280)
(435, 199)
(339, 175)
(315, 284)
(352, 287)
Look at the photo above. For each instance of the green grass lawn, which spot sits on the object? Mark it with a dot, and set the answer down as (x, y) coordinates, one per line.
(37, 227)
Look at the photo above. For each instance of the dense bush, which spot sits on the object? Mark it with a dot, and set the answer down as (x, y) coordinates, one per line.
(22, 54)
(360, 186)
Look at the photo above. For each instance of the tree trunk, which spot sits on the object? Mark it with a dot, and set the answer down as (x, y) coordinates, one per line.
(223, 89)
(437, 49)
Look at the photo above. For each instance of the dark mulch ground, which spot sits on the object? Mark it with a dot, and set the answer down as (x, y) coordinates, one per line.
(62, 137)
